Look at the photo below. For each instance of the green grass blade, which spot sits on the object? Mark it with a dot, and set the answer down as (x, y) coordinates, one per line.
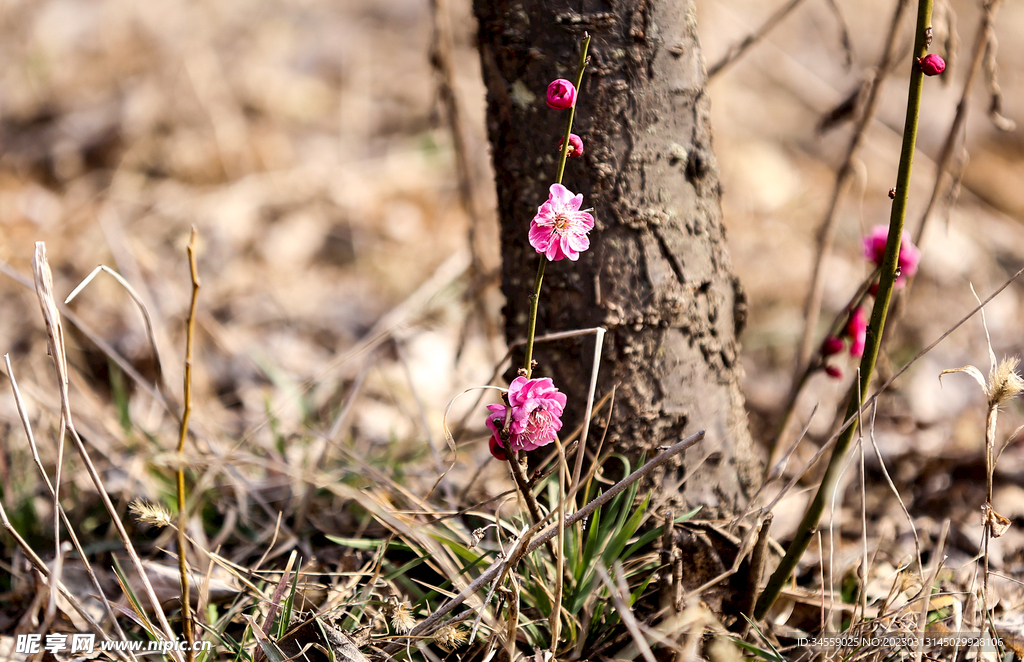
(362, 543)
(405, 568)
(624, 532)
(269, 648)
(654, 533)
(587, 559)
(286, 610)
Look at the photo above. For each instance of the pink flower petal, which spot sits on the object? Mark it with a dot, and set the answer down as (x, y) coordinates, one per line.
(559, 196)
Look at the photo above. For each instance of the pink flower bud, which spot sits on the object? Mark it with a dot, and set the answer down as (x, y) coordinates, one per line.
(575, 146)
(833, 372)
(832, 345)
(561, 94)
(931, 64)
(857, 328)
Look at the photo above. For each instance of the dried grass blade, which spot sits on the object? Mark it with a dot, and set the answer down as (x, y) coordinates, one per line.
(44, 289)
(26, 424)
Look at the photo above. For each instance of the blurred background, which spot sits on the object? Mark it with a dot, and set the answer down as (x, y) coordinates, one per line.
(308, 143)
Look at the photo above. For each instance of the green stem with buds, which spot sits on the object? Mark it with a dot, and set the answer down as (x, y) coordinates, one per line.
(563, 155)
(809, 524)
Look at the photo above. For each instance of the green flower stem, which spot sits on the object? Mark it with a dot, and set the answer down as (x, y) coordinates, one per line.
(572, 109)
(809, 524)
(563, 155)
(534, 302)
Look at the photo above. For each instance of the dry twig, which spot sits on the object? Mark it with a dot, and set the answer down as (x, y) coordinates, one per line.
(186, 605)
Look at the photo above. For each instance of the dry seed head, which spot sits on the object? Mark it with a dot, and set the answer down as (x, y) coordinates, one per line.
(1003, 382)
(402, 619)
(450, 637)
(155, 514)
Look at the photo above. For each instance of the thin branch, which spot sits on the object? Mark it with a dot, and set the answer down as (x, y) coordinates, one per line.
(875, 330)
(190, 333)
(737, 50)
(943, 183)
(828, 227)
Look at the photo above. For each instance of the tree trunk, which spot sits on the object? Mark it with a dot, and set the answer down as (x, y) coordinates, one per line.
(658, 274)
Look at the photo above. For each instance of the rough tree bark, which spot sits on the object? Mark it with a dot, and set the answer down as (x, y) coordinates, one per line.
(658, 274)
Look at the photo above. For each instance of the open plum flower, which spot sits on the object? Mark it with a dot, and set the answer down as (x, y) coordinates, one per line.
(536, 418)
(559, 230)
(910, 255)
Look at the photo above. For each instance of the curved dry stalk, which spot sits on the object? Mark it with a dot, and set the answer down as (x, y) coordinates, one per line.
(581, 448)
(896, 492)
(150, 334)
(105, 347)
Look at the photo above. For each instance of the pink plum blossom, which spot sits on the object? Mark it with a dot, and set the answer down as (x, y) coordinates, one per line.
(857, 328)
(537, 408)
(874, 250)
(575, 146)
(559, 230)
(561, 94)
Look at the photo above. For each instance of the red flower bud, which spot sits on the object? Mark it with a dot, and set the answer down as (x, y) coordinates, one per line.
(931, 64)
(575, 146)
(561, 94)
(833, 372)
(496, 450)
(832, 345)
